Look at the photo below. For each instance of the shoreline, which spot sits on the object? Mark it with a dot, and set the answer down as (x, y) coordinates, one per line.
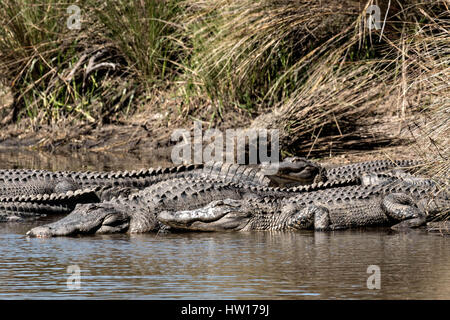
(149, 145)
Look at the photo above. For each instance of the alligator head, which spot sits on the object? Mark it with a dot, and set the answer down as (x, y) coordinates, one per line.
(235, 215)
(296, 171)
(217, 216)
(85, 219)
(100, 218)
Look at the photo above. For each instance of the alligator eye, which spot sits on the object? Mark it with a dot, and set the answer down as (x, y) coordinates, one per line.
(110, 219)
(307, 171)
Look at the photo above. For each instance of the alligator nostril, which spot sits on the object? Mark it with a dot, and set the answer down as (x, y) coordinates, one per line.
(39, 232)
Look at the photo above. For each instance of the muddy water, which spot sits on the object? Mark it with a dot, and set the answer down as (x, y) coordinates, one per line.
(254, 265)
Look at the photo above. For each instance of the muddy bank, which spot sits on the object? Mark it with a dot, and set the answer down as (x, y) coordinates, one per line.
(134, 146)
(85, 137)
(377, 135)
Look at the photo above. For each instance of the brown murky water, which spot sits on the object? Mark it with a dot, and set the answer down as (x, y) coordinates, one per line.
(253, 265)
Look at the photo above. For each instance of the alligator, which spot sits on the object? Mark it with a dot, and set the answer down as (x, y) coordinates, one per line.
(377, 166)
(399, 205)
(212, 205)
(290, 172)
(16, 182)
(293, 171)
(137, 212)
(17, 208)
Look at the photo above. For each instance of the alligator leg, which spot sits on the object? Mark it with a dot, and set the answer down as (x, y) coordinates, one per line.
(401, 207)
(315, 217)
(312, 216)
(322, 220)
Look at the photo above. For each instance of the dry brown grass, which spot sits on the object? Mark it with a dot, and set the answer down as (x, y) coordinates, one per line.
(402, 78)
(250, 54)
(427, 61)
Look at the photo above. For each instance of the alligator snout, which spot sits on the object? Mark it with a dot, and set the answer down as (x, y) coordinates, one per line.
(40, 232)
(296, 171)
(86, 219)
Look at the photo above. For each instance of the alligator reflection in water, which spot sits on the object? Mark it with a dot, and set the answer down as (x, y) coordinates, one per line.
(250, 265)
(24, 159)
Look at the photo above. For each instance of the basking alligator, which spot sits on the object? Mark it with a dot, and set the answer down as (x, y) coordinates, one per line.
(377, 166)
(15, 208)
(291, 172)
(399, 203)
(215, 205)
(137, 212)
(16, 182)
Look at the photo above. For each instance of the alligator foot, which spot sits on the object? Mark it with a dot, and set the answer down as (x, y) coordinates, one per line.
(312, 216)
(401, 207)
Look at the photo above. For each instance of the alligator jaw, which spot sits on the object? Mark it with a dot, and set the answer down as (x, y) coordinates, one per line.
(298, 171)
(219, 215)
(289, 180)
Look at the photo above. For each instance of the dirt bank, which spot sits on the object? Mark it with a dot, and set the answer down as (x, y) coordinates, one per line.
(379, 135)
(155, 143)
